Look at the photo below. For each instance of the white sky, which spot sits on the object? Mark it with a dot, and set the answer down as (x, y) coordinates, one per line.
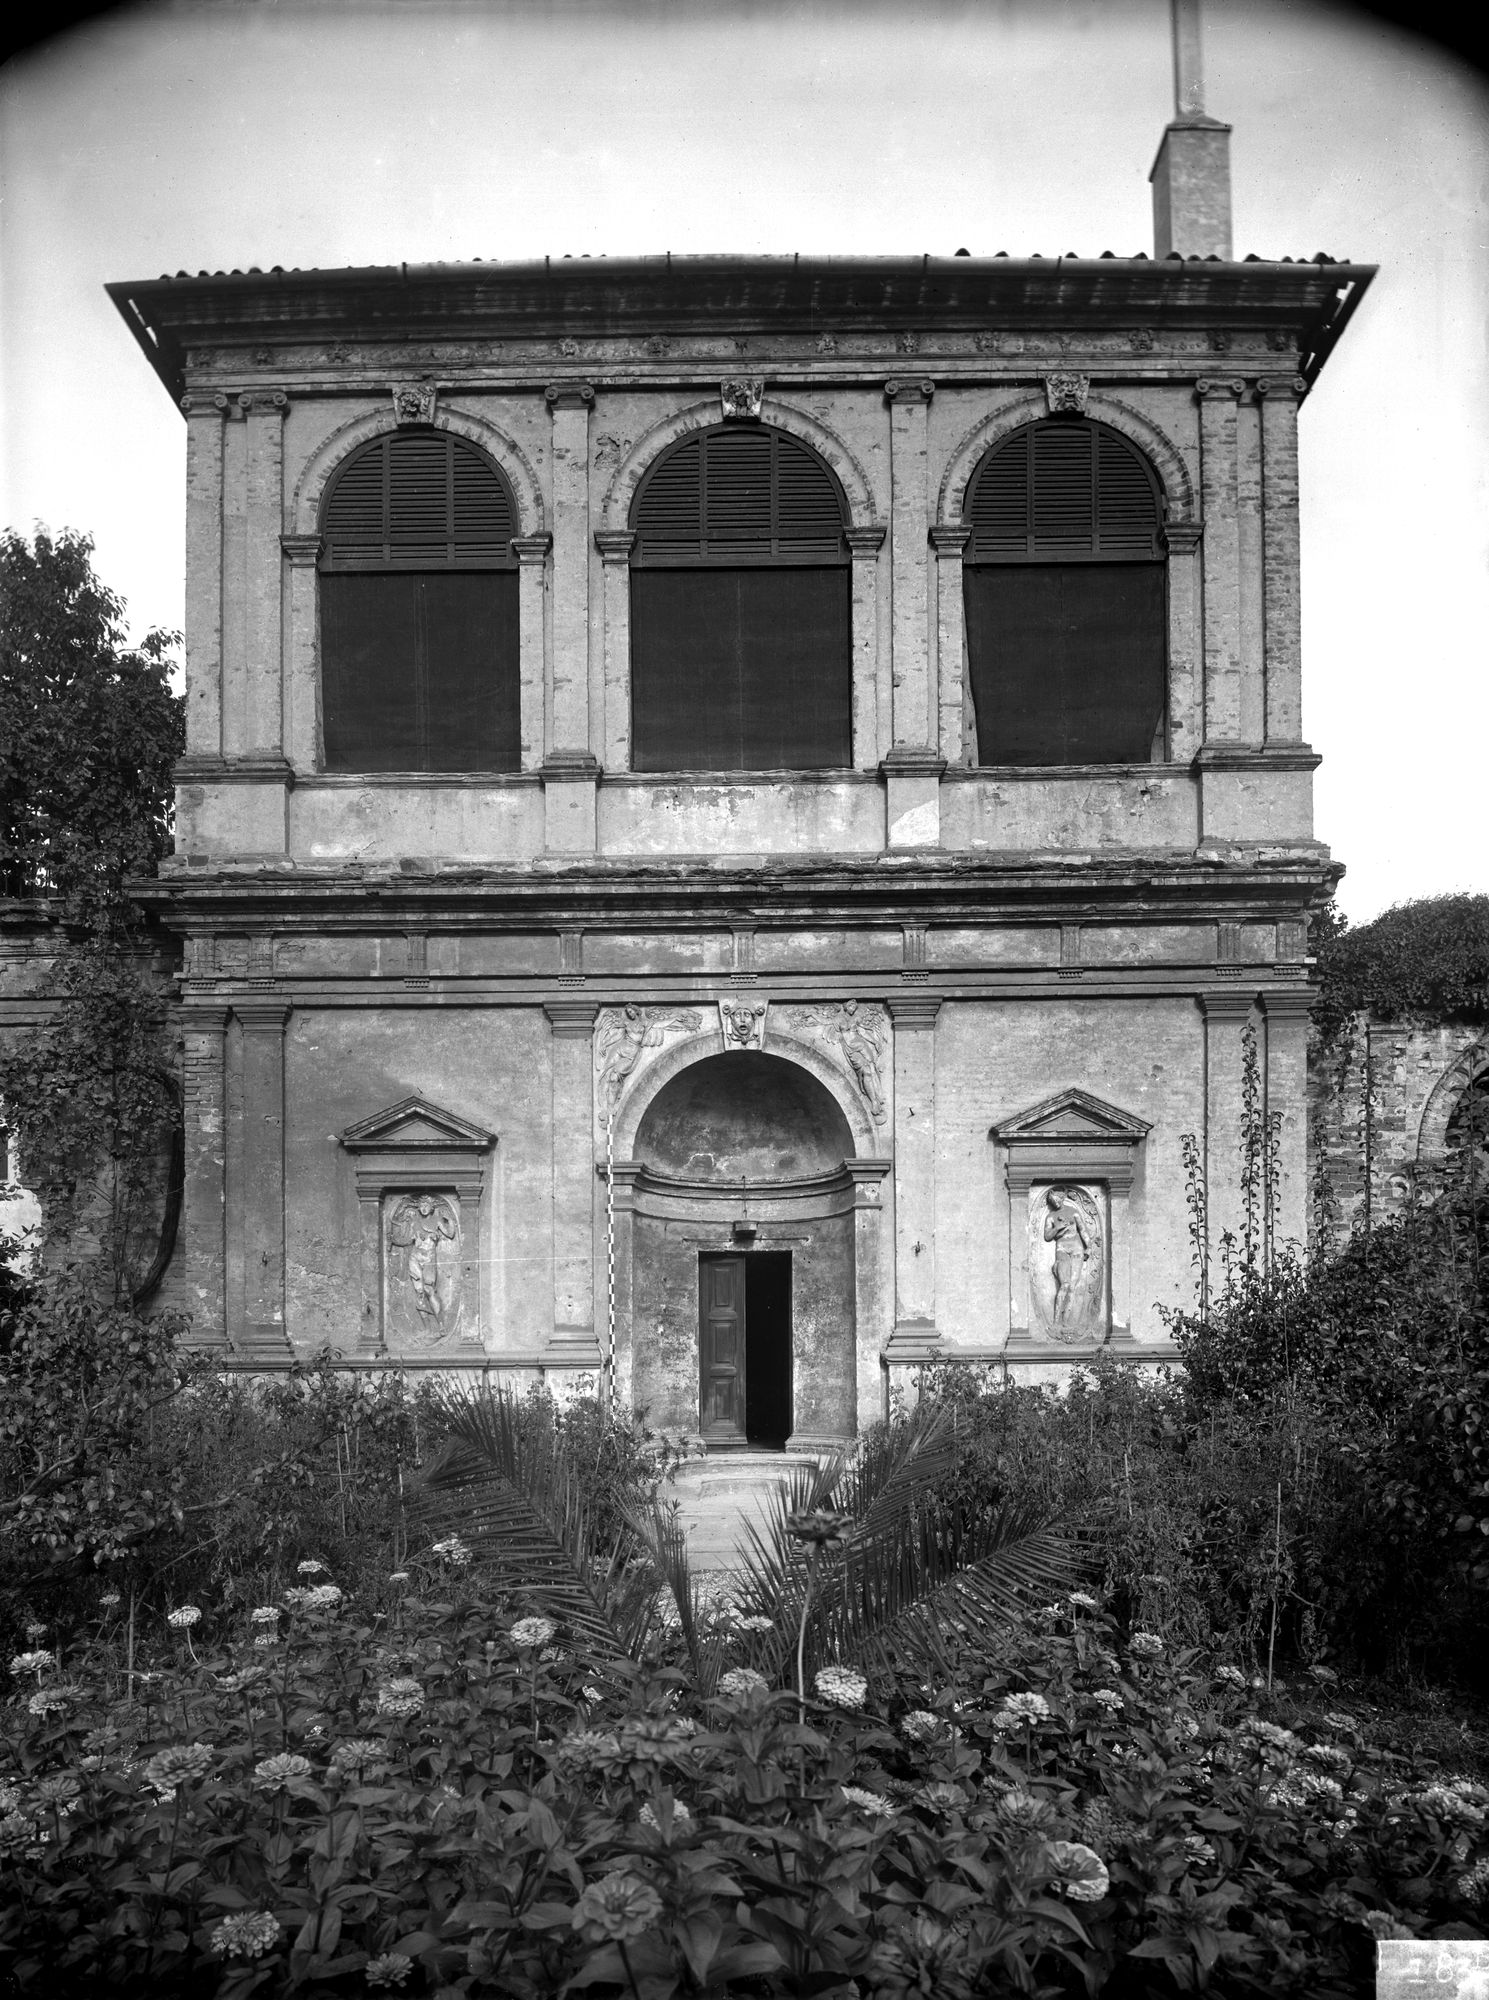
(191, 134)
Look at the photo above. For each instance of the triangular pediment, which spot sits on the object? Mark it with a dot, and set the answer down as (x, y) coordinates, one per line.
(415, 1124)
(1077, 1115)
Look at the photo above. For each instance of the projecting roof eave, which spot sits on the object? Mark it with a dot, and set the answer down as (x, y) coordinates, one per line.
(593, 297)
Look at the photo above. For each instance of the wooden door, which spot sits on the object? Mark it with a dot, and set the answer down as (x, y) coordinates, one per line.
(721, 1349)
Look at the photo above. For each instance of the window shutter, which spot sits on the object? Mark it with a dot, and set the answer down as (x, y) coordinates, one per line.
(1064, 492)
(418, 500)
(745, 494)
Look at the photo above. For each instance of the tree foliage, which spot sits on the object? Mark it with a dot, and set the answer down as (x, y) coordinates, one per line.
(1428, 957)
(89, 731)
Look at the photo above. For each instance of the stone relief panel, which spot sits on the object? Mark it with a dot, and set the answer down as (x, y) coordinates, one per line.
(742, 1023)
(856, 1033)
(1068, 1263)
(423, 1290)
(625, 1037)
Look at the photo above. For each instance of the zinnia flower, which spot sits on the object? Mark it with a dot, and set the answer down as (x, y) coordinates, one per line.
(324, 1597)
(452, 1550)
(1232, 1676)
(109, 1599)
(59, 1698)
(754, 1621)
(586, 1750)
(1107, 1698)
(274, 1772)
(389, 1968)
(32, 1663)
(58, 1792)
(1338, 1719)
(1147, 1646)
(1198, 1849)
(530, 1632)
(184, 1617)
(873, 1803)
(941, 1796)
(1079, 1870)
(264, 1614)
(398, 1576)
(651, 1739)
(1025, 1809)
(742, 1681)
(244, 1678)
(842, 1687)
(357, 1751)
(312, 1566)
(35, 1632)
(920, 1725)
(247, 1934)
(177, 1766)
(401, 1696)
(1474, 1886)
(615, 1909)
(1083, 1601)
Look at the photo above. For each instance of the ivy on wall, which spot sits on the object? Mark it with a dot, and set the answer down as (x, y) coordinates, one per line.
(1428, 958)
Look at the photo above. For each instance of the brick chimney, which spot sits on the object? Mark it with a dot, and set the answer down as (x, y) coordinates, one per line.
(1191, 176)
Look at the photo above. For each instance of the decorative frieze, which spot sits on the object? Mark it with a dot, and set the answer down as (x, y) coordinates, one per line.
(743, 1024)
(624, 1036)
(1066, 394)
(414, 402)
(741, 398)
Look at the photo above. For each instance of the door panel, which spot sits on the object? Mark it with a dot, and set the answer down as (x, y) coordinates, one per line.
(721, 1349)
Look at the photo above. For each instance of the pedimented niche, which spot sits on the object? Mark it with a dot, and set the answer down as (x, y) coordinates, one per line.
(421, 1175)
(1070, 1162)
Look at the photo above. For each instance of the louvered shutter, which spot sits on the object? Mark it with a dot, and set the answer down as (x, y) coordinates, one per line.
(1066, 603)
(418, 610)
(739, 494)
(1064, 492)
(418, 500)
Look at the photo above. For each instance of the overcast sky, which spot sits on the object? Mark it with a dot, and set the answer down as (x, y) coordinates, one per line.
(192, 134)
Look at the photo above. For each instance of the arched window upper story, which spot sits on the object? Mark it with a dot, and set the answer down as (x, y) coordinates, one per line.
(741, 649)
(418, 609)
(1066, 600)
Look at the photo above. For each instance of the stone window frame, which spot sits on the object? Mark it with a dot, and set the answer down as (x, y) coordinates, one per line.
(1104, 1152)
(392, 1155)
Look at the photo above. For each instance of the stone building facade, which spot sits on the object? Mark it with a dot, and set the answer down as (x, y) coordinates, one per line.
(741, 815)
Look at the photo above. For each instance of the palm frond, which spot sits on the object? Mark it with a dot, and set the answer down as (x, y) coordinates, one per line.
(518, 1501)
(659, 1531)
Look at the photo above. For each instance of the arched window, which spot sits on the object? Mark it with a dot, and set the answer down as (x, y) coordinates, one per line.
(418, 601)
(1066, 604)
(741, 657)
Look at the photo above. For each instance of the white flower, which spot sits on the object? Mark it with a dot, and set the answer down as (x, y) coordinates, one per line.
(1329, 1755)
(1232, 1676)
(312, 1566)
(1083, 1601)
(742, 1681)
(35, 1632)
(1198, 1849)
(1147, 1645)
(248, 1934)
(452, 1550)
(873, 1803)
(528, 1633)
(184, 1617)
(591, 1692)
(842, 1687)
(389, 1968)
(1474, 1886)
(60, 1696)
(1107, 1698)
(265, 1638)
(1338, 1718)
(264, 1614)
(1453, 1802)
(32, 1663)
(398, 1576)
(920, 1725)
(586, 1749)
(109, 1599)
(682, 1819)
(1080, 1871)
(324, 1597)
(177, 1766)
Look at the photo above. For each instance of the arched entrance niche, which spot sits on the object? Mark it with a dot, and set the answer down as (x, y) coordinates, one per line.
(753, 1232)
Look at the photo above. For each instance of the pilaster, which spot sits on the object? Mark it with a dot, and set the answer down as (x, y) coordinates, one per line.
(950, 545)
(571, 1024)
(615, 546)
(204, 417)
(302, 691)
(204, 1191)
(1287, 1016)
(913, 698)
(263, 1022)
(1186, 640)
(914, 1334)
(1281, 566)
(532, 612)
(264, 411)
(1226, 1016)
(871, 698)
(569, 404)
(1222, 563)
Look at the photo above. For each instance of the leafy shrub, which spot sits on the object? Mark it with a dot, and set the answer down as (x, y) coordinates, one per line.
(450, 1799)
(1427, 957)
